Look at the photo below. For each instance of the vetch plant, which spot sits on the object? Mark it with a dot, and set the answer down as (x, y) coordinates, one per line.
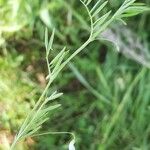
(98, 23)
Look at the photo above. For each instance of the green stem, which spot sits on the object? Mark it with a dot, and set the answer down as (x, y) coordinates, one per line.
(26, 124)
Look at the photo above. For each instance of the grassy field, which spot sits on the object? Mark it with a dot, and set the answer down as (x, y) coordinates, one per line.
(106, 101)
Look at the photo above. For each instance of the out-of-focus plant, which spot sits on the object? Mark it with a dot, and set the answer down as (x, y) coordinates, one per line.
(17, 15)
(98, 23)
(13, 89)
(16, 90)
(133, 47)
(14, 15)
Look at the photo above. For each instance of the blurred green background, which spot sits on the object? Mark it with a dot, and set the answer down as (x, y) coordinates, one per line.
(106, 100)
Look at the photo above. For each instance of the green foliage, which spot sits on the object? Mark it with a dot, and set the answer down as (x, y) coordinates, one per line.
(17, 94)
(19, 12)
(39, 114)
(14, 86)
(109, 97)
